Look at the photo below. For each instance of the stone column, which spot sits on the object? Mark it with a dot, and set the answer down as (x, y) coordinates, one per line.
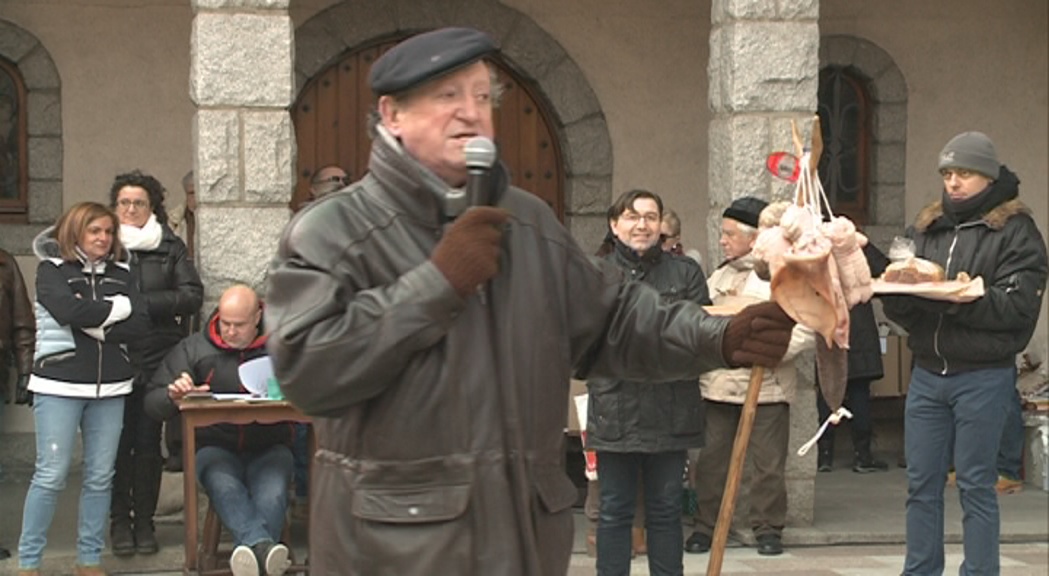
(763, 70)
(242, 81)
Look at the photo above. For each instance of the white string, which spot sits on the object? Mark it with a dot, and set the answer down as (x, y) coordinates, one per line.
(813, 196)
(834, 418)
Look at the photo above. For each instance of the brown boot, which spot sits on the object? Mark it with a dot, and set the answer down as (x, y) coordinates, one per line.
(638, 545)
(591, 540)
(89, 570)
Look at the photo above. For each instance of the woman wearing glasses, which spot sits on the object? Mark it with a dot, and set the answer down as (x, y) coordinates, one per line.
(172, 292)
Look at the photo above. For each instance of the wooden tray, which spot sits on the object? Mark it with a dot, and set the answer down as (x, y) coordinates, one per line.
(949, 290)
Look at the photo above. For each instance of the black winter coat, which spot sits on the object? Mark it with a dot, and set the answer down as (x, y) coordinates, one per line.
(209, 360)
(1002, 245)
(638, 416)
(171, 289)
(865, 362)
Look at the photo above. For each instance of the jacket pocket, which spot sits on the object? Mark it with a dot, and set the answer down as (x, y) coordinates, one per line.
(604, 421)
(555, 490)
(687, 414)
(411, 517)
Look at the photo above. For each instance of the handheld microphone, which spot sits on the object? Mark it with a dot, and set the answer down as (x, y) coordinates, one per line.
(480, 156)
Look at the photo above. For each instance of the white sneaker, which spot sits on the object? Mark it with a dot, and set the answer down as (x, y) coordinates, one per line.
(277, 560)
(243, 563)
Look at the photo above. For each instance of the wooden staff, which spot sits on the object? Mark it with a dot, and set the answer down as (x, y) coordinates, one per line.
(735, 471)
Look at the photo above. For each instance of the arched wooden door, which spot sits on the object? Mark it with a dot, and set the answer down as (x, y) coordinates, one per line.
(331, 127)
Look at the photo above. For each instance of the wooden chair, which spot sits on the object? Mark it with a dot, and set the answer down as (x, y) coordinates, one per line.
(208, 554)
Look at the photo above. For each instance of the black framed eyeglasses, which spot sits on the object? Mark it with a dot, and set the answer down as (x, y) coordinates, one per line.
(344, 180)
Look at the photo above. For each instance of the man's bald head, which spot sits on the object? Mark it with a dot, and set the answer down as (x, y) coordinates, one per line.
(239, 316)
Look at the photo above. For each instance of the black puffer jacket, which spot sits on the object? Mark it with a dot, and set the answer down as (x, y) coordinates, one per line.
(1002, 245)
(209, 360)
(865, 362)
(171, 289)
(632, 416)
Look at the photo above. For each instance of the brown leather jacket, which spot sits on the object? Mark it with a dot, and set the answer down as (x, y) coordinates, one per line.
(440, 421)
(17, 322)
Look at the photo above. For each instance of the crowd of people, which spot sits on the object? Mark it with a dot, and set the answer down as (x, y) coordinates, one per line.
(441, 441)
(103, 355)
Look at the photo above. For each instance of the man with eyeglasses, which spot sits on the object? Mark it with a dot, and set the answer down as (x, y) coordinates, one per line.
(737, 282)
(327, 180)
(964, 372)
(642, 431)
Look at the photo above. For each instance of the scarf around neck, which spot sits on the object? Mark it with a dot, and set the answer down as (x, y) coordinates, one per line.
(145, 238)
(1005, 188)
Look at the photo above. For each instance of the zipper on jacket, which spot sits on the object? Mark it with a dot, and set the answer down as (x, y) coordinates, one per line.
(939, 319)
(98, 367)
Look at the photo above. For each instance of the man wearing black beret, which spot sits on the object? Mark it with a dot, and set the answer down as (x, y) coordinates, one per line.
(434, 346)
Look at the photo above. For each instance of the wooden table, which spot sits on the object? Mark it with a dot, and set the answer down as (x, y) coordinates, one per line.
(203, 413)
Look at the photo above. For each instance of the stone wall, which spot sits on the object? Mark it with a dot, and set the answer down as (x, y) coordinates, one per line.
(763, 74)
(242, 81)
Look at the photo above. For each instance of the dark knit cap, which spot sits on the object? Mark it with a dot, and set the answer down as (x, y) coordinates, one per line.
(746, 210)
(971, 151)
(426, 56)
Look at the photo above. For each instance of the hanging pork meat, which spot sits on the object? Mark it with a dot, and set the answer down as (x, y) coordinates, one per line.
(817, 266)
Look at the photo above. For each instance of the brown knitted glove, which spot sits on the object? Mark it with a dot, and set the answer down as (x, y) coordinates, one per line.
(757, 335)
(468, 254)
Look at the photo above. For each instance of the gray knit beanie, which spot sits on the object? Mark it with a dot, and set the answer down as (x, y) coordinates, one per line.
(971, 151)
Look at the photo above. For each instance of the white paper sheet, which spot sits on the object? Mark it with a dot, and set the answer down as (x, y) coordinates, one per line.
(254, 375)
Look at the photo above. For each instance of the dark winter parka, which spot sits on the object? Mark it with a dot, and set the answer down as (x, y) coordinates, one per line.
(865, 361)
(71, 296)
(631, 416)
(17, 324)
(440, 420)
(209, 360)
(171, 289)
(999, 243)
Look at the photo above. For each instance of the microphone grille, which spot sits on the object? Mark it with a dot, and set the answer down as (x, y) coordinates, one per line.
(480, 152)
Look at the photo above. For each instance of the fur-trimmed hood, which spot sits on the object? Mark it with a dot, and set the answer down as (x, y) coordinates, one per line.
(995, 219)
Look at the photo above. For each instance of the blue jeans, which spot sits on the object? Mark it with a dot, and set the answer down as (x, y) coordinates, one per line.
(662, 481)
(249, 490)
(1011, 449)
(57, 420)
(966, 411)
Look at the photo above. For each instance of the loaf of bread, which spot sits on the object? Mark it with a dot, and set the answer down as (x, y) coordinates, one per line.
(913, 271)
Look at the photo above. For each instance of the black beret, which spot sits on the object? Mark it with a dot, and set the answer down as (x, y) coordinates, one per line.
(427, 56)
(746, 210)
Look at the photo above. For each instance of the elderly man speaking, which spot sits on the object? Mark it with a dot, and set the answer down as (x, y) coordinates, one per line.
(434, 346)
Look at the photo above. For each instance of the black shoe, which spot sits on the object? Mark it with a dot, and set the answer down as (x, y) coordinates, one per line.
(824, 461)
(4, 553)
(121, 538)
(869, 464)
(697, 543)
(272, 558)
(145, 539)
(770, 545)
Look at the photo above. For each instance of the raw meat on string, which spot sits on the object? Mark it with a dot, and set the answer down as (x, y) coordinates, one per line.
(817, 271)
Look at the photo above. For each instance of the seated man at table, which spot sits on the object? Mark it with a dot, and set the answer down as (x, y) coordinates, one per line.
(245, 469)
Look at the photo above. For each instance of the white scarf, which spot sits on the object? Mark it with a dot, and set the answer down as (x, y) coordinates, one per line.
(145, 238)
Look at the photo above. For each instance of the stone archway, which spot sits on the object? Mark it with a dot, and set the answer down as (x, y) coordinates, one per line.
(580, 124)
(888, 91)
(44, 104)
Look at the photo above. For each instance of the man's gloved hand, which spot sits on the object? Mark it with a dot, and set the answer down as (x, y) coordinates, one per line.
(757, 335)
(468, 254)
(22, 393)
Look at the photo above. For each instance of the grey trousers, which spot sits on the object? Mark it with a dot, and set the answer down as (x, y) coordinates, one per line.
(767, 452)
